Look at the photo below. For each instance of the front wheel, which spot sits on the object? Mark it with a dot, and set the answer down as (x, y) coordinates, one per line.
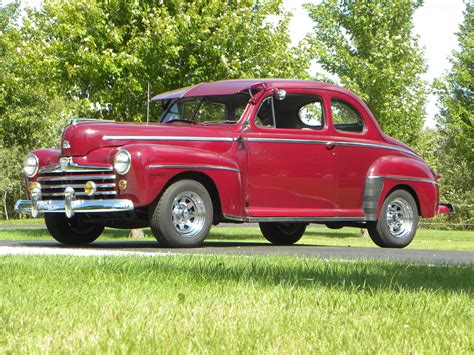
(182, 217)
(397, 223)
(71, 231)
(279, 233)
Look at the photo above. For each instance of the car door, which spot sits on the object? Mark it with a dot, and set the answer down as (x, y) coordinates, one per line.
(290, 171)
(354, 151)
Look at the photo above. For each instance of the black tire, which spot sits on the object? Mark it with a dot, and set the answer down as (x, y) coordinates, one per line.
(397, 228)
(71, 231)
(280, 233)
(171, 217)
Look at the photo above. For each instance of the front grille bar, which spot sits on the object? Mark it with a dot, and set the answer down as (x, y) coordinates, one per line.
(55, 179)
(46, 194)
(77, 177)
(77, 186)
(73, 168)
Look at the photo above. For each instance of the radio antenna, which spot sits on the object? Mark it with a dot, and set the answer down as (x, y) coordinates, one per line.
(148, 104)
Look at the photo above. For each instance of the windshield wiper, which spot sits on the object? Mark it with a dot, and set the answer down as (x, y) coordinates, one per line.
(220, 122)
(180, 120)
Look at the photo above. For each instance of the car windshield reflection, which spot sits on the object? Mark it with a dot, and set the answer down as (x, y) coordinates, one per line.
(222, 109)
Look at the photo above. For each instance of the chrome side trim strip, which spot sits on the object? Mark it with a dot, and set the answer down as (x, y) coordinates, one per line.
(207, 167)
(294, 219)
(286, 140)
(76, 177)
(404, 178)
(167, 138)
(75, 121)
(341, 143)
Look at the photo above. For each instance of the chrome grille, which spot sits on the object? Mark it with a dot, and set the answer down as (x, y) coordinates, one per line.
(54, 181)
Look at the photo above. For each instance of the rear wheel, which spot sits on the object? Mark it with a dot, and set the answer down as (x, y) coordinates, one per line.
(280, 233)
(397, 223)
(182, 217)
(71, 231)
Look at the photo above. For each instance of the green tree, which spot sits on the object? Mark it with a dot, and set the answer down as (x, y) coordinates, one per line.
(455, 121)
(94, 58)
(32, 113)
(370, 46)
(104, 52)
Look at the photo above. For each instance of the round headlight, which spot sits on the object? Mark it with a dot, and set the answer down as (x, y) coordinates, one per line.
(122, 162)
(30, 165)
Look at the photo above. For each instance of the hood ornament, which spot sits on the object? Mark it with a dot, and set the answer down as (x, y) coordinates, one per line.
(64, 163)
(66, 145)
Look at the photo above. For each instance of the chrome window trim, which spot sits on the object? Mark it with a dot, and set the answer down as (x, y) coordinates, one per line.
(357, 112)
(207, 167)
(168, 138)
(404, 178)
(317, 141)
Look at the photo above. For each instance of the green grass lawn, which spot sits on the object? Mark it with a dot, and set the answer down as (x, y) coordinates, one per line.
(425, 238)
(29, 221)
(237, 304)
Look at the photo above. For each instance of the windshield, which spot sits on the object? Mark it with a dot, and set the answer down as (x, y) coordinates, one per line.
(223, 109)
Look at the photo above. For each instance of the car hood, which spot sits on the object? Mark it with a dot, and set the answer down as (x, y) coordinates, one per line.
(81, 138)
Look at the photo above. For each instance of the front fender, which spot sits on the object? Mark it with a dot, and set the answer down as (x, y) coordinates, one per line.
(390, 172)
(47, 157)
(153, 166)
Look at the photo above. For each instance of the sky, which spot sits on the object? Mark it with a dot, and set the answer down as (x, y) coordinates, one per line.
(436, 23)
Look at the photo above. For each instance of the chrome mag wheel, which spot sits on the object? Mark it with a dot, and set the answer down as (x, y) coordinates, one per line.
(188, 214)
(399, 218)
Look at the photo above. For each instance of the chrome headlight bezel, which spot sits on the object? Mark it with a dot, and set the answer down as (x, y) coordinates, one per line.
(125, 158)
(30, 165)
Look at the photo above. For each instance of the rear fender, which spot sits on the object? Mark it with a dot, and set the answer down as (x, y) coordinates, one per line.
(398, 172)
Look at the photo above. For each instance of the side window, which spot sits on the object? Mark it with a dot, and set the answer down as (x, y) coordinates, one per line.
(345, 118)
(311, 115)
(265, 114)
(295, 111)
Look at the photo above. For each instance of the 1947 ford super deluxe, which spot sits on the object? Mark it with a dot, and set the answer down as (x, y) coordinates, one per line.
(283, 153)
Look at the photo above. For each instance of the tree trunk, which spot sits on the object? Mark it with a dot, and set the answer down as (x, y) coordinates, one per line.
(136, 233)
(5, 207)
(364, 233)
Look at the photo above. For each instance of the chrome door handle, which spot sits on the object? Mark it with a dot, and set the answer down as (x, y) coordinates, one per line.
(330, 145)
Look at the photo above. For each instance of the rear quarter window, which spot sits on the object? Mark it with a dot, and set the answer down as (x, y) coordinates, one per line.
(346, 118)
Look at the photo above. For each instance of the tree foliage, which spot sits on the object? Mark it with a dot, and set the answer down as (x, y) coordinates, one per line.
(104, 52)
(94, 58)
(455, 121)
(370, 46)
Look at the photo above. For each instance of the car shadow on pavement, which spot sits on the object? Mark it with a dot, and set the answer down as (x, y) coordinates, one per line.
(148, 244)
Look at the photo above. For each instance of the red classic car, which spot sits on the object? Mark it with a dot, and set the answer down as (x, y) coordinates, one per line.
(282, 153)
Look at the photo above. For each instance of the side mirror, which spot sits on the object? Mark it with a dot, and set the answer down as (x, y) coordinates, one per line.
(280, 94)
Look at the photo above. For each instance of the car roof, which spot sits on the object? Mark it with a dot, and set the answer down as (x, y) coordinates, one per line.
(229, 87)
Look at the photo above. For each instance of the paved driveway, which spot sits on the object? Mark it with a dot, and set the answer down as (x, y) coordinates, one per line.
(241, 248)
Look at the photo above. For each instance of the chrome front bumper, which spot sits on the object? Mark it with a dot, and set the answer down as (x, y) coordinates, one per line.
(69, 207)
